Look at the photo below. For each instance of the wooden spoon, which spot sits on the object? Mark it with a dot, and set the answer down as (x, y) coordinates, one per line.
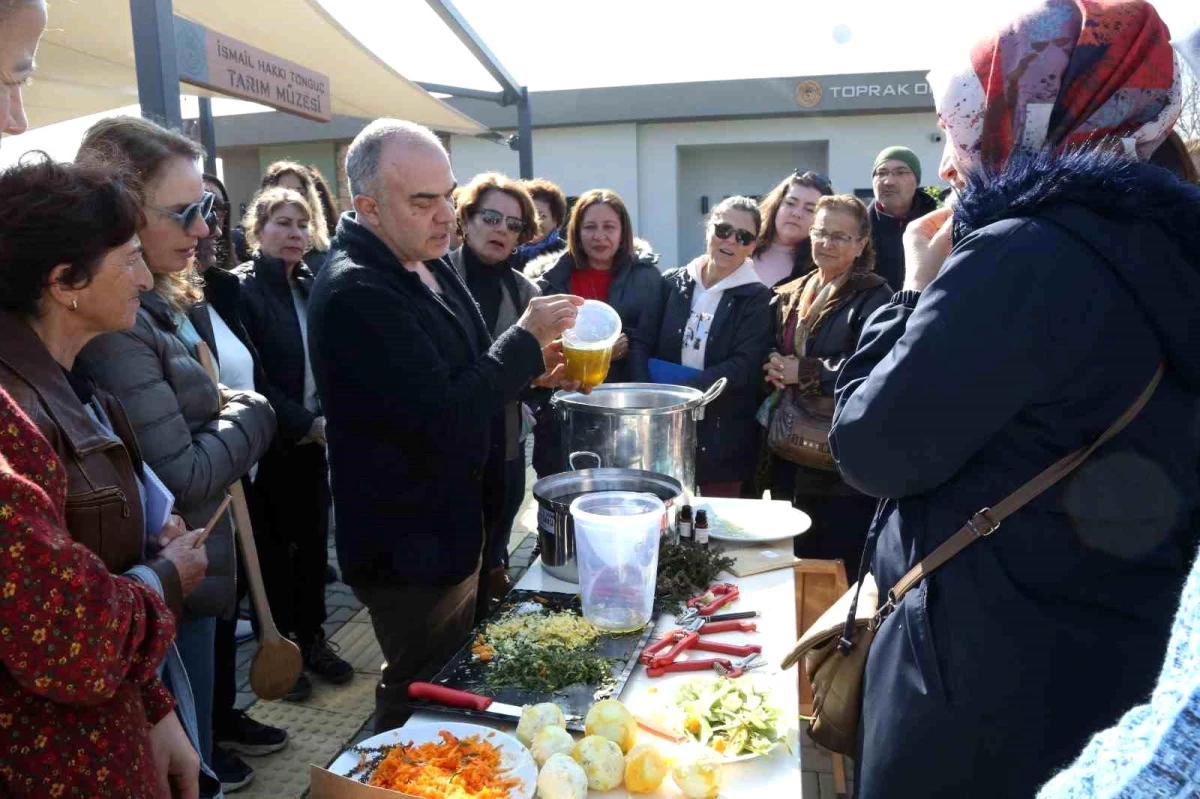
(277, 663)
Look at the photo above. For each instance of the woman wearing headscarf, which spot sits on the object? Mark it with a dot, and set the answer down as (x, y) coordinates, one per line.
(1073, 274)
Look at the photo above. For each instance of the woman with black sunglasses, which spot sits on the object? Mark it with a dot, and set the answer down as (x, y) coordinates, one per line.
(715, 323)
(197, 440)
(495, 216)
(782, 253)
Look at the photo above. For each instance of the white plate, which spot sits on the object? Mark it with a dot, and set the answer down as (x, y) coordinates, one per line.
(513, 754)
(752, 521)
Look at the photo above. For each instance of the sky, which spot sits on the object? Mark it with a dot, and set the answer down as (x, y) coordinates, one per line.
(564, 44)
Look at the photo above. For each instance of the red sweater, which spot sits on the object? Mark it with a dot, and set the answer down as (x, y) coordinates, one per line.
(79, 647)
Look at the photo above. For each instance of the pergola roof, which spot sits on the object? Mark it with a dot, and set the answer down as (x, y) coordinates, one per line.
(86, 60)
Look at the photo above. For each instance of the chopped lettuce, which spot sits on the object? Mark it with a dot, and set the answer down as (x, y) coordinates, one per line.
(729, 716)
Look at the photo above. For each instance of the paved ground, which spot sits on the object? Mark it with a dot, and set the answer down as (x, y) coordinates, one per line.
(338, 716)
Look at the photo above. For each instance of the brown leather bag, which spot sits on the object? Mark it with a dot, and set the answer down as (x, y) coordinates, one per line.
(835, 647)
(799, 430)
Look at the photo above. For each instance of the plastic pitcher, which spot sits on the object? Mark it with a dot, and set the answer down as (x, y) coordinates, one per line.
(616, 542)
(588, 346)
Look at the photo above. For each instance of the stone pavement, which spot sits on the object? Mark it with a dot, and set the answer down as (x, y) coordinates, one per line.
(336, 717)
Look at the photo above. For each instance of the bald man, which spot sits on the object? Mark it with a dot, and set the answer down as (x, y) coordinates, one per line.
(410, 379)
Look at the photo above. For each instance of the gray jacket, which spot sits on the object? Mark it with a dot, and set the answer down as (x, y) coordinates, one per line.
(196, 447)
(511, 309)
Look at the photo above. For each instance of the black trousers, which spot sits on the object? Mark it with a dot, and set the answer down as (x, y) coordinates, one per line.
(293, 487)
(839, 521)
(418, 628)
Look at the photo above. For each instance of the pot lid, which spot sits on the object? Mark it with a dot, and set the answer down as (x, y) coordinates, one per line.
(631, 399)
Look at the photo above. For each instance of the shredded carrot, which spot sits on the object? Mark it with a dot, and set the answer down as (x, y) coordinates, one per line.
(467, 768)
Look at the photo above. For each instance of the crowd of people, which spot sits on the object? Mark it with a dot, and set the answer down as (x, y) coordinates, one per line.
(892, 367)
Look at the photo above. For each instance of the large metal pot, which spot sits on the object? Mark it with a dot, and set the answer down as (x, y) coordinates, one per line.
(554, 494)
(643, 426)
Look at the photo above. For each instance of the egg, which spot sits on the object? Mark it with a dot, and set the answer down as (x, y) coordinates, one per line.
(610, 719)
(698, 774)
(536, 717)
(562, 778)
(645, 769)
(602, 762)
(551, 741)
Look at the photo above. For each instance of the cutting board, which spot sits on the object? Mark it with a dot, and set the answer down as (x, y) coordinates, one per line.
(749, 561)
(466, 673)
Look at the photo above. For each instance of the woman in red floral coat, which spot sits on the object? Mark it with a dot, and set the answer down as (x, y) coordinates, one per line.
(82, 710)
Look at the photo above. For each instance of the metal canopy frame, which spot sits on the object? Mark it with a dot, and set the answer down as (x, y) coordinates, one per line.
(510, 92)
(158, 76)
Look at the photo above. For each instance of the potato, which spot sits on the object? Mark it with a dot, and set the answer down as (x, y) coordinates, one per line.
(536, 717)
(645, 769)
(562, 778)
(551, 741)
(698, 773)
(610, 719)
(602, 762)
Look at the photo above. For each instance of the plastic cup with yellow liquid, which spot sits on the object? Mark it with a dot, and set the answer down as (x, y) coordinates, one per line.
(588, 346)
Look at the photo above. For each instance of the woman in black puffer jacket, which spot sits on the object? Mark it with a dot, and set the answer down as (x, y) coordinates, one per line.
(293, 477)
(603, 262)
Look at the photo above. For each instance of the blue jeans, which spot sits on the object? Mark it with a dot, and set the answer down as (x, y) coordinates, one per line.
(196, 641)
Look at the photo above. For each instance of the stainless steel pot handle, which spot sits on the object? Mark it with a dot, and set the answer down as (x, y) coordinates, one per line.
(713, 392)
(584, 453)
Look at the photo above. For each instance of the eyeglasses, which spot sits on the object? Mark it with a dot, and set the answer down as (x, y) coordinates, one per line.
(822, 183)
(723, 230)
(902, 172)
(493, 218)
(187, 217)
(840, 239)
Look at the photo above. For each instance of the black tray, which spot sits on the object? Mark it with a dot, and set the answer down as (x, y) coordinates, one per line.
(466, 674)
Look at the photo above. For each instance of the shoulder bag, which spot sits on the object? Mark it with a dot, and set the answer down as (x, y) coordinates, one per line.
(799, 430)
(835, 648)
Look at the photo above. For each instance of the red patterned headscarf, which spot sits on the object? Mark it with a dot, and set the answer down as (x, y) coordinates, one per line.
(1066, 73)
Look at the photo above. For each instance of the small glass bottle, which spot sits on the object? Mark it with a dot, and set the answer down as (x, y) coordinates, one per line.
(701, 532)
(684, 524)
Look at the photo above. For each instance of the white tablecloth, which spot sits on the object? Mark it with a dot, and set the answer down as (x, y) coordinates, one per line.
(772, 594)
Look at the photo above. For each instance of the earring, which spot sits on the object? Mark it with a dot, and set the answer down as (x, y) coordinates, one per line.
(74, 305)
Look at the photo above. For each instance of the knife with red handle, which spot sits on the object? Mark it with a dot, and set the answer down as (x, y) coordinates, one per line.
(452, 697)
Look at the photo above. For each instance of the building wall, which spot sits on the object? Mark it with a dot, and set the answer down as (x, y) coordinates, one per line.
(321, 154)
(576, 158)
(656, 167)
(242, 176)
(852, 141)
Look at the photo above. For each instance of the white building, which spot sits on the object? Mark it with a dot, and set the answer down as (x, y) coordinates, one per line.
(670, 150)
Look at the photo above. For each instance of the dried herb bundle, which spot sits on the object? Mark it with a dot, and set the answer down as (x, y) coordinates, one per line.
(685, 570)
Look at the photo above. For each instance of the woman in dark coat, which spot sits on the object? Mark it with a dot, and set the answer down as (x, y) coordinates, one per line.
(603, 262)
(495, 214)
(1073, 274)
(292, 479)
(715, 322)
(816, 321)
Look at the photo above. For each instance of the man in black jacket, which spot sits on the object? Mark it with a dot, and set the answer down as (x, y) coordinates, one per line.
(895, 178)
(410, 380)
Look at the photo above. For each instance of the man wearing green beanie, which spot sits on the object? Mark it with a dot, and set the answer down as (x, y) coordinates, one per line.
(895, 177)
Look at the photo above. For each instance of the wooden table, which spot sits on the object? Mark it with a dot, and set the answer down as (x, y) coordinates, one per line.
(773, 594)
